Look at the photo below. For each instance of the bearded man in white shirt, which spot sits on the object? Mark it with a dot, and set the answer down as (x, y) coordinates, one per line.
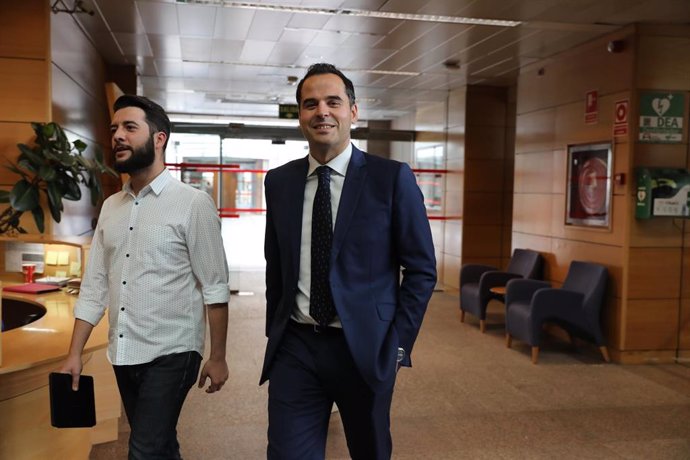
(156, 259)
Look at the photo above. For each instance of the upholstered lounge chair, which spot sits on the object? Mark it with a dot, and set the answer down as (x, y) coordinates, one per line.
(576, 307)
(476, 281)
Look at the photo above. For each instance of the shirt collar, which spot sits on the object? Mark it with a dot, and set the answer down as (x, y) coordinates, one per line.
(338, 164)
(156, 185)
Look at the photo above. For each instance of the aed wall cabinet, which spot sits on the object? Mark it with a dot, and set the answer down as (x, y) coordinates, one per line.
(662, 192)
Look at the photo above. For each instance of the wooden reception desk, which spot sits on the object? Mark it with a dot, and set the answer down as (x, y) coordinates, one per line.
(29, 354)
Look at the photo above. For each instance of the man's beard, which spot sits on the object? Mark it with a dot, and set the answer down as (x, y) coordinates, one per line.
(140, 158)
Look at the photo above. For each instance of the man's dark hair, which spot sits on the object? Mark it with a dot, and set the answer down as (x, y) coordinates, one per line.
(323, 68)
(156, 117)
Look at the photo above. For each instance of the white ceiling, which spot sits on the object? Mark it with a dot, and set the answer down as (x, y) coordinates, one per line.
(207, 57)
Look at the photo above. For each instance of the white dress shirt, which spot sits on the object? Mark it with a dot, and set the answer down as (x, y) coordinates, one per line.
(338, 166)
(156, 258)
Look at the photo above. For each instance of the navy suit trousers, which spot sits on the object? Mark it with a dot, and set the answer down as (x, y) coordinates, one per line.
(310, 372)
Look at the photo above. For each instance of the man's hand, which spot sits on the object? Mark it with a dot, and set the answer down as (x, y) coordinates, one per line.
(73, 366)
(217, 371)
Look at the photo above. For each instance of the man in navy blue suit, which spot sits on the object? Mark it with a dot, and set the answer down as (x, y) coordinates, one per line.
(350, 268)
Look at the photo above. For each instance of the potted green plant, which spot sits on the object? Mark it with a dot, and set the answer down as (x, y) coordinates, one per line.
(56, 167)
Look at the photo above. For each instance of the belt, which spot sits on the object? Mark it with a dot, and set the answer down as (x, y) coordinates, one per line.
(315, 328)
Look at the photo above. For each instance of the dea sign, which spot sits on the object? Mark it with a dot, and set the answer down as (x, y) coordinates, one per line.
(661, 117)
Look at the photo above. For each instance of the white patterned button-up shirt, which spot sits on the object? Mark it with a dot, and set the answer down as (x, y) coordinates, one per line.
(155, 260)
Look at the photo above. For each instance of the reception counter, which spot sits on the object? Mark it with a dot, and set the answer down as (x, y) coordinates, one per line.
(29, 353)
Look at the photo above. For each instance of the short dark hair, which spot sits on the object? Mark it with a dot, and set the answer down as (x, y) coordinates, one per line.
(324, 68)
(156, 117)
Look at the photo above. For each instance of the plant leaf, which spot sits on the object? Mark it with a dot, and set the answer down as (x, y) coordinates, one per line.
(32, 156)
(54, 200)
(24, 196)
(48, 130)
(39, 218)
(71, 190)
(47, 173)
(16, 170)
(79, 145)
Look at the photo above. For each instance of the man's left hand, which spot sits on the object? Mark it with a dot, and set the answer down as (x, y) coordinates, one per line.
(217, 371)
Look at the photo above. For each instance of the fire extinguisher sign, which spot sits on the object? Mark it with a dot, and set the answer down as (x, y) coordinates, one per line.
(620, 118)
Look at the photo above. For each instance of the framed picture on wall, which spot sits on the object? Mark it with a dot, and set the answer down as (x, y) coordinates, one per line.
(588, 189)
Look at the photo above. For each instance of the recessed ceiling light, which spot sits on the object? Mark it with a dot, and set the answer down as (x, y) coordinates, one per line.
(346, 70)
(361, 13)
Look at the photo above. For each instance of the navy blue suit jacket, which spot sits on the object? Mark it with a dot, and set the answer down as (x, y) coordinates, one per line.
(381, 227)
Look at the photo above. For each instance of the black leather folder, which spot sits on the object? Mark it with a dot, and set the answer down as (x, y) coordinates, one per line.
(68, 408)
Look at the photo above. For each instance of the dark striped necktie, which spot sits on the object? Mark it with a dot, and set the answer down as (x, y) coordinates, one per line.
(321, 306)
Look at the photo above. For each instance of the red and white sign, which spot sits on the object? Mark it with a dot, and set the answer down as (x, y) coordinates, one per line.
(620, 118)
(592, 107)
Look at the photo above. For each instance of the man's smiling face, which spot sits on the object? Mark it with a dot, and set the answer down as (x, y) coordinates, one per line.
(325, 115)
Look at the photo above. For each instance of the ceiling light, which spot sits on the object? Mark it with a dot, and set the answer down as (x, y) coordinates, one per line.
(389, 72)
(275, 66)
(361, 13)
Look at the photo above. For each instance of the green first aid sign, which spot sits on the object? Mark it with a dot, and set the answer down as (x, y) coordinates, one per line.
(661, 117)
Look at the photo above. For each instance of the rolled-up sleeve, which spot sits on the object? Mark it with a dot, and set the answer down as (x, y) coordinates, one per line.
(206, 251)
(93, 292)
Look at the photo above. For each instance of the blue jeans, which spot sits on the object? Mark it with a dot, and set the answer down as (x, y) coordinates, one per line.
(153, 394)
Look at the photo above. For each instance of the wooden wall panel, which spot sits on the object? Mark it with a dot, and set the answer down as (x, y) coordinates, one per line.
(534, 172)
(656, 232)
(79, 105)
(659, 63)
(568, 77)
(654, 273)
(483, 208)
(24, 29)
(532, 213)
(484, 142)
(685, 273)
(12, 134)
(684, 326)
(535, 131)
(539, 243)
(560, 168)
(565, 251)
(24, 90)
(79, 112)
(481, 241)
(612, 322)
(661, 155)
(651, 325)
(571, 127)
(483, 175)
(486, 106)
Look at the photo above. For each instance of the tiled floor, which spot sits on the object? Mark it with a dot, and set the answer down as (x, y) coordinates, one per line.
(467, 397)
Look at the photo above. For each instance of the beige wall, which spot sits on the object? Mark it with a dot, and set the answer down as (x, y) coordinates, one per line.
(645, 259)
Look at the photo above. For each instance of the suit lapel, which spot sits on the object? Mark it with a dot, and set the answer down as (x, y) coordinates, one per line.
(352, 188)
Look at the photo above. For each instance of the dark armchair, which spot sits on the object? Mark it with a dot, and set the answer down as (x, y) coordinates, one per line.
(477, 280)
(576, 307)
